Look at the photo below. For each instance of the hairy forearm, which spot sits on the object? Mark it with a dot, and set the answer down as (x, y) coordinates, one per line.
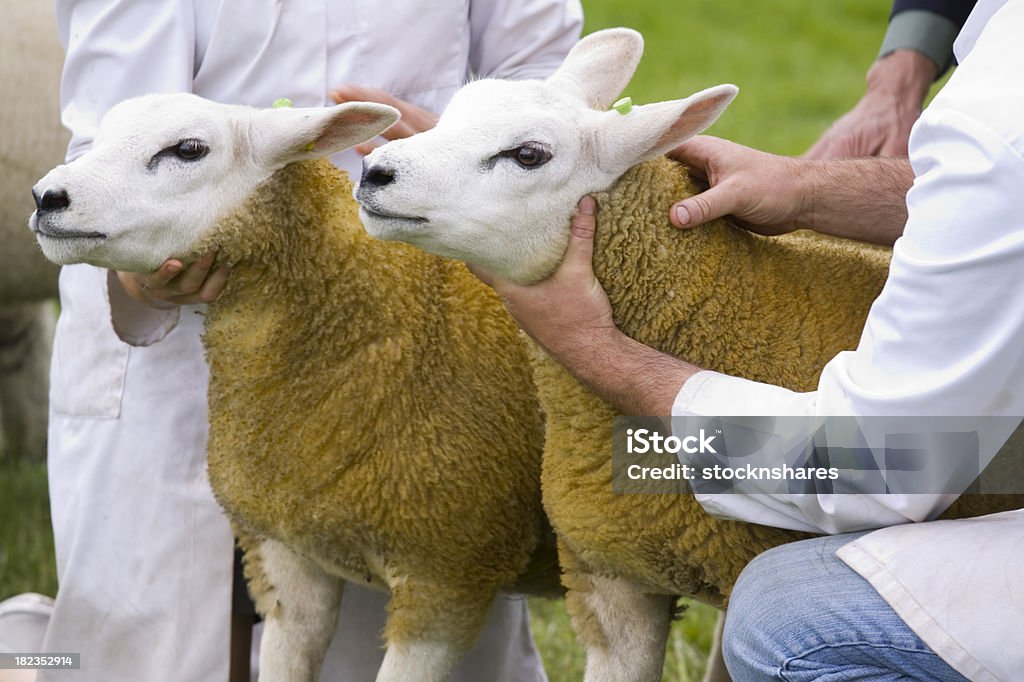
(863, 199)
(632, 377)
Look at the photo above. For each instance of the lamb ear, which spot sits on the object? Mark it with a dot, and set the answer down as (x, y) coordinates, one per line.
(651, 130)
(284, 135)
(599, 67)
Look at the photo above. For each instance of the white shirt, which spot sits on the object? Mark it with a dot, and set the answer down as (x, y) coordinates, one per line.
(945, 337)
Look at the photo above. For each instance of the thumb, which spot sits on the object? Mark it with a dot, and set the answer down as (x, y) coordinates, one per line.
(483, 275)
(700, 208)
(580, 250)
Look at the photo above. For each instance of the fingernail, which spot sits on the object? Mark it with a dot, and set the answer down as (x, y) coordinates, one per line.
(682, 215)
(173, 269)
(587, 205)
(335, 95)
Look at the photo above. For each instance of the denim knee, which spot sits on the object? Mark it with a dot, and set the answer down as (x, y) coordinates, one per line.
(798, 612)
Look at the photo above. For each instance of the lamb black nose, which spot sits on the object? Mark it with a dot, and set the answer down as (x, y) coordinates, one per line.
(51, 200)
(377, 176)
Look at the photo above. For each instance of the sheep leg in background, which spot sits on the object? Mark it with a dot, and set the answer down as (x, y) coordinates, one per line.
(716, 670)
(623, 629)
(430, 627)
(26, 341)
(299, 602)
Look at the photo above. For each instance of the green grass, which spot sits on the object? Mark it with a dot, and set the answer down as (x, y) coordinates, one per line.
(799, 64)
(26, 541)
(687, 648)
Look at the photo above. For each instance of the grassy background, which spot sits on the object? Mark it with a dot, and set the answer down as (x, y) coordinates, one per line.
(799, 64)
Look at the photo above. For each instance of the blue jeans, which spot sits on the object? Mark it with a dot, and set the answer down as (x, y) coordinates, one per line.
(799, 613)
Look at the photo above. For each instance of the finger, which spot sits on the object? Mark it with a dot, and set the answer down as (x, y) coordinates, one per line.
(159, 278)
(580, 251)
(399, 130)
(894, 147)
(214, 285)
(346, 92)
(820, 149)
(700, 208)
(192, 279)
(697, 151)
(131, 282)
(482, 275)
(366, 147)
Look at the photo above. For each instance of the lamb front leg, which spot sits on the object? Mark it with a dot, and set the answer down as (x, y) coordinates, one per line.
(716, 670)
(623, 629)
(299, 602)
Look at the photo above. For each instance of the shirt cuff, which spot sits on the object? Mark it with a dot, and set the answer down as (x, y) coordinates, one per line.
(926, 32)
(136, 323)
(710, 394)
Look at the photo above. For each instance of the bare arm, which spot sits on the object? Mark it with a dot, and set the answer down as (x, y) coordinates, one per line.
(863, 199)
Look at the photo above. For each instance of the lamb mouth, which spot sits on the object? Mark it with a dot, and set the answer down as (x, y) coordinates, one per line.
(67, 234)
(378, 215)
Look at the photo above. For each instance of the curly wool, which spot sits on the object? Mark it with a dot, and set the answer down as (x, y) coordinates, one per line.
(774, 310)
(371, 407)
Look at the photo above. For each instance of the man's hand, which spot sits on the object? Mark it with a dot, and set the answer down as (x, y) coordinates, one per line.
(569, 310)
(762, 192)
(569, 315)
(414, 119)
(862, 199)
(172, 284)
(880, 123)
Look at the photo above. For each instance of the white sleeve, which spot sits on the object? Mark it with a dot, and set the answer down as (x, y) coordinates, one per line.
(521, 39)
(114, 50)
(945, 337)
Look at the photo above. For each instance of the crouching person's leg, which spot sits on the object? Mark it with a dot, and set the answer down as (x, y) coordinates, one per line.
(799, 613)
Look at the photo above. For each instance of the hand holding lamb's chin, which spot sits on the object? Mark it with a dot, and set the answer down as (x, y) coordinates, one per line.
(173, 284)
(567, 309)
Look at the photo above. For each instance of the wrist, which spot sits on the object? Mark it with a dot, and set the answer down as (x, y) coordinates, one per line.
(809, 179)
(581, 348)
(902, 74)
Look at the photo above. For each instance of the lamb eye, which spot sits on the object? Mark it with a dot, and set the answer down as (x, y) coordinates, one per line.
(190, 150)
(529, 155)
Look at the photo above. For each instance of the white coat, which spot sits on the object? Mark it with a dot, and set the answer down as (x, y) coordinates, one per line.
(144, 553)
(945, 337)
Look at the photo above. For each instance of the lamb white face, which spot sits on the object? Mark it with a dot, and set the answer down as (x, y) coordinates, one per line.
(164, 169)
(496, 182)
(471, 187)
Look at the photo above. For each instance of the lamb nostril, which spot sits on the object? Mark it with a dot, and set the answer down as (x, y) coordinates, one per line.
(378, 176)
(52, 200)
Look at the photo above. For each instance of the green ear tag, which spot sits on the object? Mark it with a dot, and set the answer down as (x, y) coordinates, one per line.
(310, 146)
(624, 105)
(282, 103)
